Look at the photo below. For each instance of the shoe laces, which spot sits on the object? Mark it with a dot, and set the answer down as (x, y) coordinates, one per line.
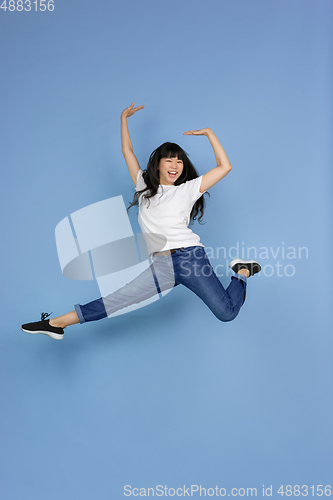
(44, 316)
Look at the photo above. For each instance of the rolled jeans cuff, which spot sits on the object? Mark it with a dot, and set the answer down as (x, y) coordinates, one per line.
(240, 277)
(79, 313)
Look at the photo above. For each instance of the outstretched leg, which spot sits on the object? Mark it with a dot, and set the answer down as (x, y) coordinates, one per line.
(157, 278)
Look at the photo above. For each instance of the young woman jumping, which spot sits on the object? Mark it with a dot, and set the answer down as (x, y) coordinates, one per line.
(170, 195)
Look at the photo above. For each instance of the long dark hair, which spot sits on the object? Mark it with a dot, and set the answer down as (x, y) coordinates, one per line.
(152, 178)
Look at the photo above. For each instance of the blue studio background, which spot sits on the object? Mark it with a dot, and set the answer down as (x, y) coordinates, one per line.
(168, 395)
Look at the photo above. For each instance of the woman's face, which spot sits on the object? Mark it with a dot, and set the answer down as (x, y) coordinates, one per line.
(170, 169)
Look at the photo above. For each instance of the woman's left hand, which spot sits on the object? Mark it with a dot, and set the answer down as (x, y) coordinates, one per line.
(203, 131)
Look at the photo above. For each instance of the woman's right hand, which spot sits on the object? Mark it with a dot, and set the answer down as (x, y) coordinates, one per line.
(130, 110)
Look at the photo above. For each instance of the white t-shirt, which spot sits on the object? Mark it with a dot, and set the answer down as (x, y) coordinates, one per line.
(164, 217)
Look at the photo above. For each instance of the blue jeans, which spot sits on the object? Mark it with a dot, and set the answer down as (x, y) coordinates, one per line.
(188, 266)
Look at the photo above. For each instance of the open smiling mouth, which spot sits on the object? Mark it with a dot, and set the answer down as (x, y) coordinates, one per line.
(172, 173)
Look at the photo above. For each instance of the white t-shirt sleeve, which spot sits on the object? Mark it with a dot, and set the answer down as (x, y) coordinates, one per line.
(140, 183)
(192, 189)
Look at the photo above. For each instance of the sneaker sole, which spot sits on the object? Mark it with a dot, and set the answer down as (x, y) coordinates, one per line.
(249, 262)
(55, 336)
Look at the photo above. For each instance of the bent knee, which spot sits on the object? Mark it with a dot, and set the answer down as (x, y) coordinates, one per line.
(226, 317)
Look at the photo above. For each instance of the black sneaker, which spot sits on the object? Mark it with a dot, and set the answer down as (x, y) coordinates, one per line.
(251, 265)
(44, 326)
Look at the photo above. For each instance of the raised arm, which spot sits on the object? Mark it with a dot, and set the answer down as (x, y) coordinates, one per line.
(126, 143)
(223, 164)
